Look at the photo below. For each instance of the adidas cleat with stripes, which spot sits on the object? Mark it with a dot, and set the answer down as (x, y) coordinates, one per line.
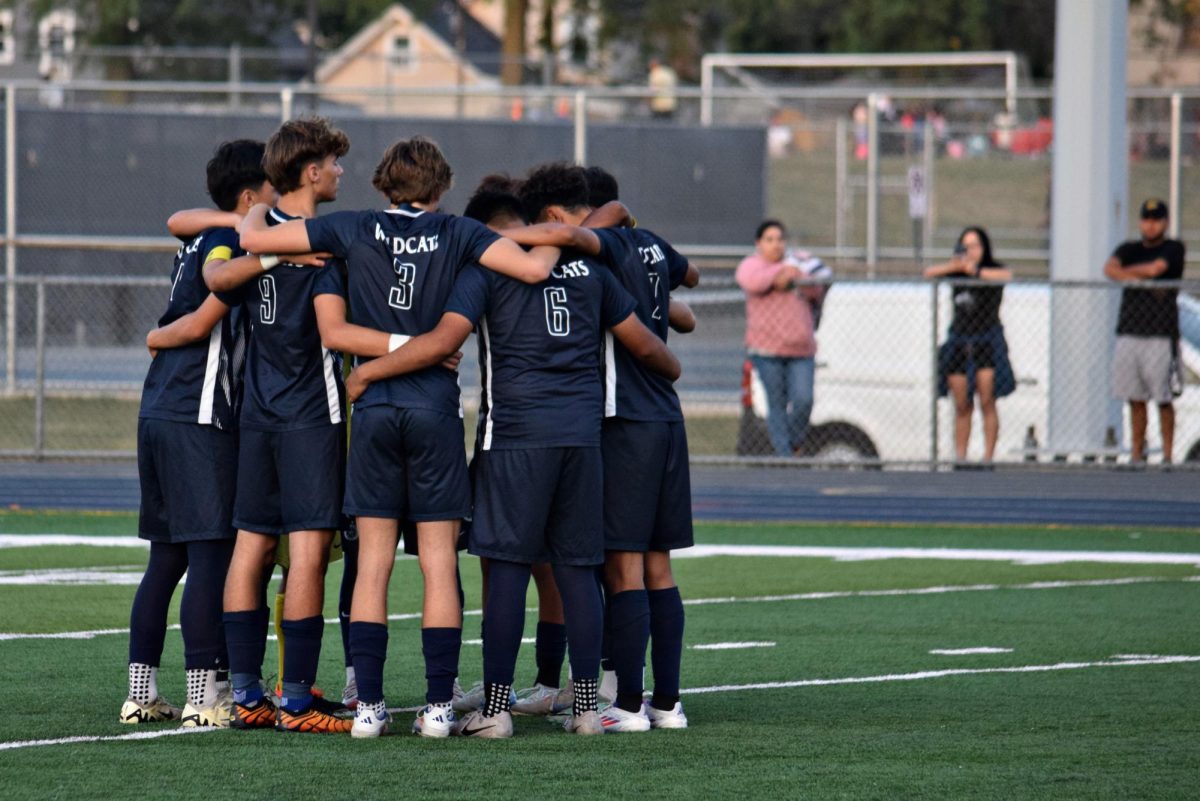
(435, 720)
(615, 719)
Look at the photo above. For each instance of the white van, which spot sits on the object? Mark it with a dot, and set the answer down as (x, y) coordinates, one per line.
(877, 368)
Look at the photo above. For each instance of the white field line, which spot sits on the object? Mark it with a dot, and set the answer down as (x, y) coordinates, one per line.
(137, 735)
(40, 540)
(78, 577)
(842, 554)
(729, 646)
(775, 685)
(1020, 557)
(938, 674)
(969, 651)
(803, 596)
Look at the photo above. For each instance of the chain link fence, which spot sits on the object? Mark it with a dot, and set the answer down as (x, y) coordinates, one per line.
(883, 347)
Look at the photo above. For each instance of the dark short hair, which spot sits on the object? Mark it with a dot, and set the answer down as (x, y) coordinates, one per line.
(297, 144)
(487, 205)
(235, 166)
(602, 186)
(765, 225)
(413, 171)
(556, 184)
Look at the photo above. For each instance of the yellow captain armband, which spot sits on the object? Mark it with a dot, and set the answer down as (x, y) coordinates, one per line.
(219, 253)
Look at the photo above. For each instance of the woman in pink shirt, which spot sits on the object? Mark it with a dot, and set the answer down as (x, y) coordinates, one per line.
(779, 334)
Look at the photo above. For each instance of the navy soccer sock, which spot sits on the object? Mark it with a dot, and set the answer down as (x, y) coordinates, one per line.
(440, 647)
(584, 612)
(629, 630)
(246, 638)
(550, 649)
(605, 648)
(200, 612)
(666, 645)
(507, 584)
(148, 617)
(346, 594)
(300, 659)
(368, 648)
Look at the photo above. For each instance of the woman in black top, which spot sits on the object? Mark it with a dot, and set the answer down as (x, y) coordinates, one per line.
(974, 358)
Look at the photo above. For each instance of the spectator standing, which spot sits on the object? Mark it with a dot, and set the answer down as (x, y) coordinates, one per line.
(974, 358)
(780, 329)
(1145, 364)
(664, 84)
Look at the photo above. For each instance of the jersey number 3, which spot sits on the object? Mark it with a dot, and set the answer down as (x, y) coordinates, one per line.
(558, 316)
(401, 296)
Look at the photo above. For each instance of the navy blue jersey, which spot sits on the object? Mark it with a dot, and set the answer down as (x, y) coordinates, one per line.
(201, 382)
(649, 269)
(402, 265)
(292, 381)
(539, 352)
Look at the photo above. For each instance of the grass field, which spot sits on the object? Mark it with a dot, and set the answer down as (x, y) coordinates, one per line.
(848, 700)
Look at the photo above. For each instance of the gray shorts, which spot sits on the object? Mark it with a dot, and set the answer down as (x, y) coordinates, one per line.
(1141, 369)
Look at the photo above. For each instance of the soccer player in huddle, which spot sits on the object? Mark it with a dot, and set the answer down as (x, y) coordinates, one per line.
(292, 450)
(647, 489)
(406, 456)
(538, 478)
(190, 404)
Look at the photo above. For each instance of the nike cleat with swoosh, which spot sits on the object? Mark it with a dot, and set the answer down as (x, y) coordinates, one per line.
(476, 724)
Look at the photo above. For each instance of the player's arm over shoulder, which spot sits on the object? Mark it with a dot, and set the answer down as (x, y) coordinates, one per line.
(646, 347)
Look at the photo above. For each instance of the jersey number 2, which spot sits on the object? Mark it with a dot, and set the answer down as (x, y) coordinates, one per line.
(401, 296)
(558, 316)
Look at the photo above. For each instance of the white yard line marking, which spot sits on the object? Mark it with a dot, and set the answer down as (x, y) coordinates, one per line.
(804, 596)
(85, 577)
(524, 641)
(137, 735)
(41, 540)
(842, 554)
(730, 646)
(774, 685)
(938, 674)
(1020, 557)
(969, 651)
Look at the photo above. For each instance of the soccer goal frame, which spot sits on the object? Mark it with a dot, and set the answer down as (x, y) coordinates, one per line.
(711, 61)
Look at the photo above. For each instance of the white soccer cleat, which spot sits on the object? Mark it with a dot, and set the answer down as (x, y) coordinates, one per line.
(216, 716)
(467, 701)
(615, 719)
(350, 695)
(435, 720)
(587, 723)
(369, 722)
(155, 711)
(666, 718)
(542, 700)
(476, 724)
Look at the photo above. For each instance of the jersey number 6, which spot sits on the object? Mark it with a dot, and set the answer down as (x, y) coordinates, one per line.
(558, 316)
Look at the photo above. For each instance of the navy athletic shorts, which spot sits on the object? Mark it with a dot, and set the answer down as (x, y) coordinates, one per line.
(407, 464)
(188, 474)
(647, 486)
(290, 480)
(539, 505)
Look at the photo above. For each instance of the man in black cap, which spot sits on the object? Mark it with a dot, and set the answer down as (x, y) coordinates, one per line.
(1146, 358)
